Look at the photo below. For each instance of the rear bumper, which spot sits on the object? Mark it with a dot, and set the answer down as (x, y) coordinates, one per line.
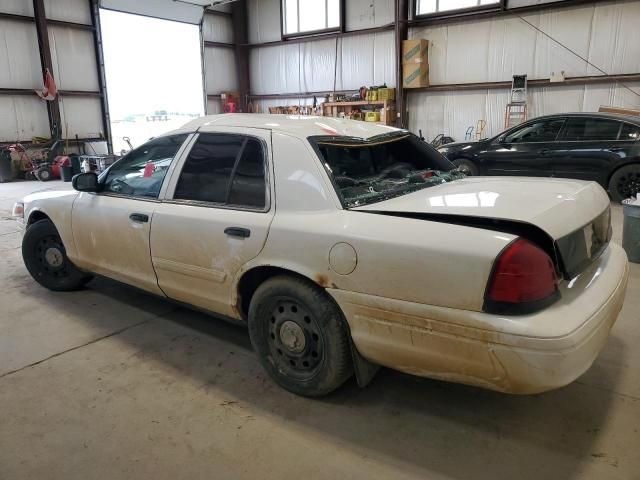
(520, 354)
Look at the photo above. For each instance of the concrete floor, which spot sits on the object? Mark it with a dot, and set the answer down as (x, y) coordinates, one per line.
(113, 383)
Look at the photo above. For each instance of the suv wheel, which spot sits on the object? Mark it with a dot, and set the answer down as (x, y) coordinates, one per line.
(300, 336)
(465, 166)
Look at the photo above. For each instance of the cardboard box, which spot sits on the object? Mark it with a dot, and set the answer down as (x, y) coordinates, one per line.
(386, 94)
(415, 51)
(415, 75)
(372, 117)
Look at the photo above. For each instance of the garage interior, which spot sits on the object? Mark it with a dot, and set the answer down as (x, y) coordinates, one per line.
(112, 382)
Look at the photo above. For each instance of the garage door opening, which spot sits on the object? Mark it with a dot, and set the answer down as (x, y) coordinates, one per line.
(154, 75)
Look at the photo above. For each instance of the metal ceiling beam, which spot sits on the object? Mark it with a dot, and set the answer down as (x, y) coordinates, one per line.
(58, 23)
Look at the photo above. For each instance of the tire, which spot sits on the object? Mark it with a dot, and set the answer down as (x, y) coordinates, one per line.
(466, 166)
(44, 174)
(300, 336)
(625, 182)
(46, 259)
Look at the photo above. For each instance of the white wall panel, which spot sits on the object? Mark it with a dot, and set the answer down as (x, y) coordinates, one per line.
(216, 28)
(275, 69)
(77, 11)
(81, 116)
(368, 13)
(19, 57)
(17, 7)
(213, 106)
(220, 70)
(264, 20)
(73, 57)
(495, 49)
(22, 118)
(366, 59)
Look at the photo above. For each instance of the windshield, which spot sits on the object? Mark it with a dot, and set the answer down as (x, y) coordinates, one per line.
(382, 167)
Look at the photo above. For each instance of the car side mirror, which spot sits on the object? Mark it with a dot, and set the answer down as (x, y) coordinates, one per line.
(85, 182)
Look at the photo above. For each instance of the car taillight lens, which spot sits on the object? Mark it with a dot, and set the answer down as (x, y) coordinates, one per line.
(523, 279)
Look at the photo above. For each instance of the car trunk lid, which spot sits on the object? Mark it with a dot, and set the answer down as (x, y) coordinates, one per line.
(572, 213)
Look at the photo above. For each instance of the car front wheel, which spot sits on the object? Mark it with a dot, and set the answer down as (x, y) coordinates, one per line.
(300, 336)
(625, 182)
(46, 259)
(465, 166)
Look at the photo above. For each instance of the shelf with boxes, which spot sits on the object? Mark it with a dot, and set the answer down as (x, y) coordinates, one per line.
(378, 106)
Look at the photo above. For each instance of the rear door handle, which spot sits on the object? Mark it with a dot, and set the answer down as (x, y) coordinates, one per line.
(237, 232)
(139, 217)
(544, 151)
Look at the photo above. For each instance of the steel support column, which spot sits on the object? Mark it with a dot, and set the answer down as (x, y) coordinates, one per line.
(239, 21)
(53, 106)
(102, 81)
(401, 33)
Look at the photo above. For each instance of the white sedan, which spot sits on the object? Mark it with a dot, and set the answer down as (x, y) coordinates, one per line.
(345, 246)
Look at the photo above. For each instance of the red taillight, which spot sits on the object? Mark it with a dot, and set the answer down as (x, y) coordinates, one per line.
(522, 274)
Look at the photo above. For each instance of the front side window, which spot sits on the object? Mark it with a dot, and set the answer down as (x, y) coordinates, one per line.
(588, 129)
(426, 7)
(300, 16)
(141, 172)
(543, 131)
(382, 167)
(224, 169)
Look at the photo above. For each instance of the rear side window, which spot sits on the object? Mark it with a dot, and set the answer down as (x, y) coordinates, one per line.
(629, 132)
(141, 172)
(542, 131)
(591, 129)
(224, 169)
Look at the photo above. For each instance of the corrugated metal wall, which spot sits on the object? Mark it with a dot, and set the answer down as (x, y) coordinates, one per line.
(74, 68)
(476, 50)
(219, 61)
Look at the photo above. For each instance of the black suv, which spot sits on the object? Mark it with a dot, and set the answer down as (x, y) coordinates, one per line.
(601, 147)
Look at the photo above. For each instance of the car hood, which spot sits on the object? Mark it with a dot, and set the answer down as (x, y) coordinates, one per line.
(557, 206)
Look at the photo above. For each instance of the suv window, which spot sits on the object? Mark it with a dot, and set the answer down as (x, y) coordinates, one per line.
(542, 131)
(224, 169)
(629, 132)
(591, 129)
(140, 173)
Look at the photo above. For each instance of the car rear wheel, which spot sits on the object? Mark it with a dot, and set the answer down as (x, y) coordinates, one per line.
(300, 336)
(625, 182)
(465, 166)
(46, 259)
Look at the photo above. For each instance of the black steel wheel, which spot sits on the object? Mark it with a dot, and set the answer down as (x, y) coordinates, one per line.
(300, 336)
(46, 259)
(625, 182)
(465, 166)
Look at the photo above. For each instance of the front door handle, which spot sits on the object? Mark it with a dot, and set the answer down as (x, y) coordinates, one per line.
(544, 151)
(139, 217)
(237, 232)
(616, 149)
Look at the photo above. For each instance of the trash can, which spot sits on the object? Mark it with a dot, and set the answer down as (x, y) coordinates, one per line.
(6, 174)
(66, 172)
(631, 229)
